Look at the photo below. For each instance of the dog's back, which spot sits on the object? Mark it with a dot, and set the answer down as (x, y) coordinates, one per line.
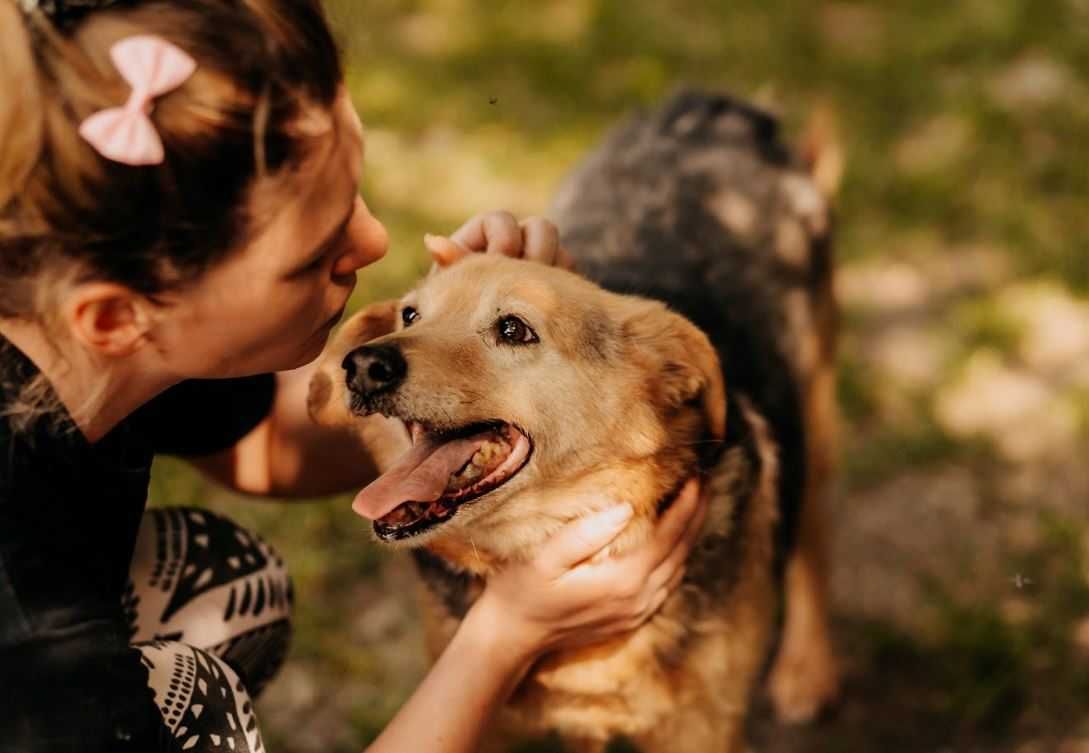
(700, 205)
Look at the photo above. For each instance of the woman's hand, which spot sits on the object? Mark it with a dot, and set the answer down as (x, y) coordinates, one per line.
(561, 599)
(535, 238)
(558, 599)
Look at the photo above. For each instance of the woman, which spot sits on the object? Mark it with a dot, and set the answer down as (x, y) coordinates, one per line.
(179, 220)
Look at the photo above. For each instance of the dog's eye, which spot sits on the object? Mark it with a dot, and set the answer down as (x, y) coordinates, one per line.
(514, 331)
(409, 315)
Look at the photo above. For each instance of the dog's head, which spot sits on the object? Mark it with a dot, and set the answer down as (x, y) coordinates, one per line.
(527, 392)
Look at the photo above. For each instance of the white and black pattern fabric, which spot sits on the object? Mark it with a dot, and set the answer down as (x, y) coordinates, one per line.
(203, 703)
(72, 600)
(200, 579)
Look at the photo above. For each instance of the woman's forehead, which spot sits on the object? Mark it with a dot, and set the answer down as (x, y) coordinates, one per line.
(330, 171)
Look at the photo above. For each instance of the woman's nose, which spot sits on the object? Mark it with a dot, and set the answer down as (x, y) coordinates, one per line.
(368, 241)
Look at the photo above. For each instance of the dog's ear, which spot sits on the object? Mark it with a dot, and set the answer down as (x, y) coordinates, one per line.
(325, 400)
(683, 360)
(821, 150)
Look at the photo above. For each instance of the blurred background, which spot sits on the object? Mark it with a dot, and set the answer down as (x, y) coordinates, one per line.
(961, 517)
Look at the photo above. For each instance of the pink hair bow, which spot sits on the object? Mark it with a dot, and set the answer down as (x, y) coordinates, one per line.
(153, 67)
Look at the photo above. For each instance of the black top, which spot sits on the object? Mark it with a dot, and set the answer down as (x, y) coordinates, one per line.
(69, 515)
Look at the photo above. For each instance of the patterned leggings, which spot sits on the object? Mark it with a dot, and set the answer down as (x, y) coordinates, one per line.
(209, 609)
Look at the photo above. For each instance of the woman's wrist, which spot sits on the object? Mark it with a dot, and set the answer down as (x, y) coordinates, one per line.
(480, 668)
(509, 645)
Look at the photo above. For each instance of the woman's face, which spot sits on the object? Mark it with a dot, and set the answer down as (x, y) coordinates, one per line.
(272, 305)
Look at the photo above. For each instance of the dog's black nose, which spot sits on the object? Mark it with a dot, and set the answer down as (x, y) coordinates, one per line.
(373, 369)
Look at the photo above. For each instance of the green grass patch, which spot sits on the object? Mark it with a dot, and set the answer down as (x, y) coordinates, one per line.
(982, 323)
(856, 391)
(982, 673)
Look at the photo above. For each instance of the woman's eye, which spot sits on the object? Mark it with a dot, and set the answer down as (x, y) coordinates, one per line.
(313, 265)
(409, 315)
(514, 331)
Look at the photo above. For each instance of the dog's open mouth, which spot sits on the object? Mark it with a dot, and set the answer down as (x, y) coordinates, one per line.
(441, 472)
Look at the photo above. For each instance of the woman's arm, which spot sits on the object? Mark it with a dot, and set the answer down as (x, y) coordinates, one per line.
(573, 602)
(289, 455)
(452, 706)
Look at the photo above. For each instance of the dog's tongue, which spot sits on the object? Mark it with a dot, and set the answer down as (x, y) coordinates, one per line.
(420, 475)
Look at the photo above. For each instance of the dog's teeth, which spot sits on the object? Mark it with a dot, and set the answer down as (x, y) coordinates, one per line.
(486, 458)
(407, 513)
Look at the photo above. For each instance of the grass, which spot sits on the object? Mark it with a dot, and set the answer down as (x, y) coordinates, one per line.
(558, 78)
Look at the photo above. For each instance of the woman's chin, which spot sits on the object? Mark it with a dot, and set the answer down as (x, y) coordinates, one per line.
(314, 347)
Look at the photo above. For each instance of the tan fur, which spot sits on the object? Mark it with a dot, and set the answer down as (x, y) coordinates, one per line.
(618, 397)
(682, 682)
(327, 398)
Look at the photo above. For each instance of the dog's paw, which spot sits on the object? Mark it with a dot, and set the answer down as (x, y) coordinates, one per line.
(804, 683)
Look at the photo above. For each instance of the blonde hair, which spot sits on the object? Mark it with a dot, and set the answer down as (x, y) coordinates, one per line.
(67, 213)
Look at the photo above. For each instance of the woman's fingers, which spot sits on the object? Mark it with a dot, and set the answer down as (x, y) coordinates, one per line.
(683, 517)
(444, 251)
(492, 232)
(541, 240)
(581, 539)
(651, 565)
(565, 260)
(581, 596)
(536, 238)
(669, 573)
(664, 570)
(665, 590)
(661, 562)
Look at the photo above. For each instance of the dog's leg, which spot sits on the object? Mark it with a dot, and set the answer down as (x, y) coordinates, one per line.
(805, 677)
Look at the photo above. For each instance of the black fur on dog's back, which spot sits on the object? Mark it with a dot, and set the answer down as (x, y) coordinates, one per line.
(637, 216)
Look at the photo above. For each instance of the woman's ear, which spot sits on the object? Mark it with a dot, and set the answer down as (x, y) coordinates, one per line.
(106, 318)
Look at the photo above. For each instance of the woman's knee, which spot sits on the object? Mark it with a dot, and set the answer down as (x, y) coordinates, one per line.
(199, 578)
(203, 703)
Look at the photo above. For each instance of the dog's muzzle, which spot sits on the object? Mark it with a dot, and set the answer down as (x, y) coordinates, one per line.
(373, 370)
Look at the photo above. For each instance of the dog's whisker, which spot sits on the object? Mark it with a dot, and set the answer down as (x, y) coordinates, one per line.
(476, 552)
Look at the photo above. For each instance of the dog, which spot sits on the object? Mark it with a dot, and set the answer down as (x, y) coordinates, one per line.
(699, 336)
